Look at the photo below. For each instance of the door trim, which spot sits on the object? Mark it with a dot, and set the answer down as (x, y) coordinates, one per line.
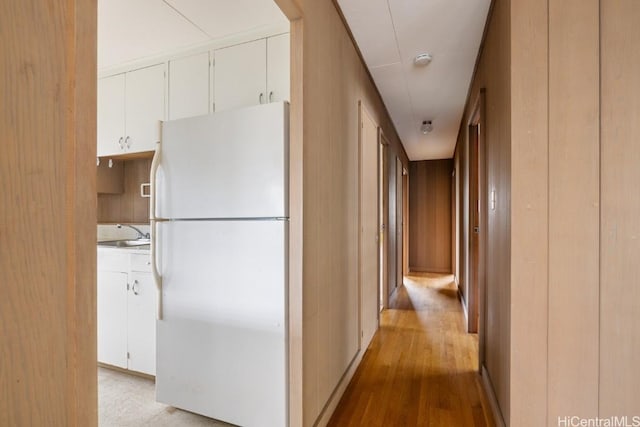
(477, 300)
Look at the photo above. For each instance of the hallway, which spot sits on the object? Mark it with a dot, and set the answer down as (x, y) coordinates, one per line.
(420, 369)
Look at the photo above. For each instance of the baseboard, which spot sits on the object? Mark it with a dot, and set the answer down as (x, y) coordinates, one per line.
(127, 371)
(491, 396)
(332, 403)
(429, 270)
(464, 309)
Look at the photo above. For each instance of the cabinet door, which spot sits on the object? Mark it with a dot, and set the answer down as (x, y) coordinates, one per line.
(111, 115)
(142, 323)
(240, 75)
(145, 105)
(112, 318)
(189, 86)
(278, 68)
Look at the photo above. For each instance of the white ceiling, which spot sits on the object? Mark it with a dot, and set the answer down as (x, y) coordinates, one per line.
(129, 30)
(390, 33)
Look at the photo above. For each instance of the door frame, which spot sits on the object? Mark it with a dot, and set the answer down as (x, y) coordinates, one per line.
(291, 9)
(476, 303)
(401, 172)
(383, 217)
(405, 221)
(362, 110)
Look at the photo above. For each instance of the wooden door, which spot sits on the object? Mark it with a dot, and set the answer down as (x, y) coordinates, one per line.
(405, 224)
(369, 249)
(400, 172)
(474, 228)
(393, 220)
(384, 220)
(240, 75)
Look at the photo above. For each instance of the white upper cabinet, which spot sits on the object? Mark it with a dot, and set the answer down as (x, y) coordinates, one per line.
(241, 75)
(278, 74)
(130, 108)
(111, 115)
(145, 106)
(189, 86)
(132, 104)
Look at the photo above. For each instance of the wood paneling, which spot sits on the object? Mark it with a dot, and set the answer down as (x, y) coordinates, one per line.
(335, 80)
(492, 74)
(620, 209)
(528, 212)
(110, 180)
(563, 281)
(47, 213)
(574, 190)
(128, 207)
(430, 216)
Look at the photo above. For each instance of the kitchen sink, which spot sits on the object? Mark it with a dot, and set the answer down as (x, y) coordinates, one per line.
(125, 243)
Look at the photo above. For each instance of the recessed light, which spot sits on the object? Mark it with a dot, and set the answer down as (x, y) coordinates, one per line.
(423, 59)
(426, 127)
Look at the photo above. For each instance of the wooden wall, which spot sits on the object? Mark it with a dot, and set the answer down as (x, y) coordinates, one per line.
(561, 270)
(430, 215)
(493, 74)
(619, 376)
(127, 207)
(48, 213)
(335, 79)
(529, 213)
(573, 206)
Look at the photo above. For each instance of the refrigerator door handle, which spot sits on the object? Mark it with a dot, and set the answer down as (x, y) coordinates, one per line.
(157, 278)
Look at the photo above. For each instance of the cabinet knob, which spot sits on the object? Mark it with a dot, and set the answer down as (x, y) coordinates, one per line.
(271, 96)
(128, 142)
(261, 98)
(121, 143)
(133, 287)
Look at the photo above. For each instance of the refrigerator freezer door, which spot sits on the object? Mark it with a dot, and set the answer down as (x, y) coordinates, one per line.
(222, 341)
(231, 164)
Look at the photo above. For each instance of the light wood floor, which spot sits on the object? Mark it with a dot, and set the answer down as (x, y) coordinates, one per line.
(421, 367)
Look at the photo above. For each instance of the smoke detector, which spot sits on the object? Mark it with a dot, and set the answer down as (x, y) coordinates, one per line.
(423, 59)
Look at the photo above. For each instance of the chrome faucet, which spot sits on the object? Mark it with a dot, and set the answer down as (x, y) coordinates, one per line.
(141, 235)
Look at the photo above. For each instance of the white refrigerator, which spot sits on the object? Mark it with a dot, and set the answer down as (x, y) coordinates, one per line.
(220, 222)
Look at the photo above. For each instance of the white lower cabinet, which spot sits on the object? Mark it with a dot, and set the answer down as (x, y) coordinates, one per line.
(127, 299)
(141, 319)
(112, 318)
